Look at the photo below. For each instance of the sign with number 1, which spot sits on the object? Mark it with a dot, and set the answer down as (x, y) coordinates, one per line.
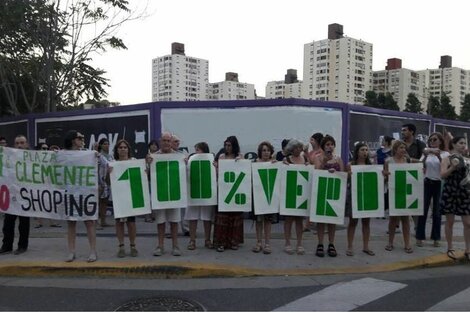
(129, 188)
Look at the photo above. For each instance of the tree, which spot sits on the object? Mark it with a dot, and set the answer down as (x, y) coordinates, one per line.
(413, 104)
(434, 106)
(465, 109)
(389, 103)
(46, 48)
(447, 109)
(371, 99)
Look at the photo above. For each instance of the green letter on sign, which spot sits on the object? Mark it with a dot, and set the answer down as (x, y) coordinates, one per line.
(328, 189)
(293, 190)
(230, 177)
(168, 181)
(200, 174)
(402, 189)
(268, 178)
(135, 180)
(367, 192)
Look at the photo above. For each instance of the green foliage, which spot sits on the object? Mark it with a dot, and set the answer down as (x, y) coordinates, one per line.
(46, 51)
(447, 109)
(371, 99)
(465, 109)
(381, 101)
(434, 106)
(389, 103)
(413, 104)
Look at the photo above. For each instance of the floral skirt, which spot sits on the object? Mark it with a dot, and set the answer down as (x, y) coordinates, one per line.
(228, 229)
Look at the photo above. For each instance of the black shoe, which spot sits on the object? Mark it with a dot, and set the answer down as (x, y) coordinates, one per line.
(5, 251)
(19, 251)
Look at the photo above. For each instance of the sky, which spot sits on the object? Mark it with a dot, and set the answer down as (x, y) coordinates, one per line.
(261, 39)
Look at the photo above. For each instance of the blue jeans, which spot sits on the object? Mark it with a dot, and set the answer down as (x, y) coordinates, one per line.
(432, 189)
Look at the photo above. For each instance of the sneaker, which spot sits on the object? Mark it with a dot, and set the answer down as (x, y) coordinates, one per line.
(158, 251)
(121, 252)
(176, 251)
(134, 251)
(19, 251)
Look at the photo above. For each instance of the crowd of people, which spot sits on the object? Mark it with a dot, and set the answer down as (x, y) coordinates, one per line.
(445, 171)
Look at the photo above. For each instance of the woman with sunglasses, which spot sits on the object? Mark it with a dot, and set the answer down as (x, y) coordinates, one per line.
(432, 158)
(75, 141)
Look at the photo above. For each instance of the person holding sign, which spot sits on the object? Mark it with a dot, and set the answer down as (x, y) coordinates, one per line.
(228, 226)
(103, 179)
(173, 216)
(9, 220)
(331, 162)
(122, 152)
(263, 222)
(75, 141)
(205, 213)
(360, 157)
(432, 158)
(455, 199)
(295, 155)
(399, 155)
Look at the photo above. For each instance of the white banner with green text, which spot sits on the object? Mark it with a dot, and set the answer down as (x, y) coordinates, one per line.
(367, 191)
(234, 186)
(406, 189)
(202, 183)
(266, 187)
(295, 189)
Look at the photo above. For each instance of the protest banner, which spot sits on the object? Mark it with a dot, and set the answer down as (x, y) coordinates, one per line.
(234, 186)
(59, 185)
(328, 197)
(406, 189)
(295, 189)
(168, 181)
(367, 191)
(202, 183)
(129, 188)
(266, 187)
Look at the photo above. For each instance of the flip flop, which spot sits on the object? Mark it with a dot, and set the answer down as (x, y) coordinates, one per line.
(409, 250)
(368, 252)
(450, 254)
(349, 252)
(389, 247)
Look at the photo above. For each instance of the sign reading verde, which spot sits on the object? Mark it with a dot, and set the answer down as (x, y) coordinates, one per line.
(295, 189)
(266, 187)
(56, 185)
(202, 182)
(367, 191)
(406, 189)
(328, 197)
(234, 186)
(168, 181)
(129, 188)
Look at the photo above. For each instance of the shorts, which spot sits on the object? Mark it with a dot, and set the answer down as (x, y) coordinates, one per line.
(168, 215)
(200, 212)
(129, 219)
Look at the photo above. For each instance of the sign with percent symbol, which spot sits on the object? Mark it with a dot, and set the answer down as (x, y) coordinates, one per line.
(295, 189)
(367, 191)
(406, 189)
(328, 197)
(202, 183)
(234, 185)
(266, 187)
(168, 181)
(129, 188)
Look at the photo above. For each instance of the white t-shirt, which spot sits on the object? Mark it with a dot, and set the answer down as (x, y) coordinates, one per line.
(433, 165)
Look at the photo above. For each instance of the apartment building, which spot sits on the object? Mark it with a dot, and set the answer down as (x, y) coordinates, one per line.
(338, 68)
(231, 89)
(398, 81)
(290, 87)
(178, 77)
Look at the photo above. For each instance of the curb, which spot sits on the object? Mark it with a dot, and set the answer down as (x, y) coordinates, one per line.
(186, 270)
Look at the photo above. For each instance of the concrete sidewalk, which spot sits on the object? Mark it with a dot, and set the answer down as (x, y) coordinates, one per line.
(47, 251)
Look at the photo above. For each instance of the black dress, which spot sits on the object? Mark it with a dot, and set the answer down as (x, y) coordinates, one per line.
(455, 199)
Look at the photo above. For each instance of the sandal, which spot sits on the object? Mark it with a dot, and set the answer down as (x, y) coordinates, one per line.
(451, 254)
(332, 250)
(208, 244)
(300, 250)
(320, 252)
(409, 250)
(389, 247)
(288, 250)
(220, 249)
(349, 252)
(368, 252)
(267, 249)
(92, 257)
(257, 248)
(191, 245)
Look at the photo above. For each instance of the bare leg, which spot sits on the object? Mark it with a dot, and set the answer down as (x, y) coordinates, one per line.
(392, 225)
(331, 233)
(351, 230)
(161, 234)
(288, 229)
(320, 232)
(71, 235)
(132, 231)
(365, 223)
(192, 230)
(449, 229)
(299, 230)
(207, 230)
(405, 222)
(267, 232)
(120, 232)
(174, 234)
(259, 232)
(466, 231)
